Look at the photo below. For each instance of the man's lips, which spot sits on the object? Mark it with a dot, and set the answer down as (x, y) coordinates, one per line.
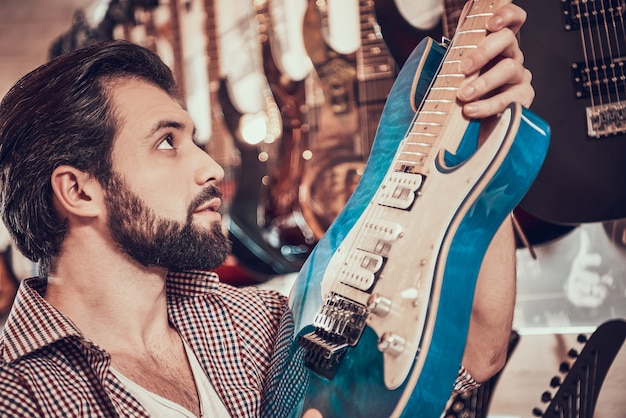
(211, 205)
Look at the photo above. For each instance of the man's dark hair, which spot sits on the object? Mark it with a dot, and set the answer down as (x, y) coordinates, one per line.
(61, 114)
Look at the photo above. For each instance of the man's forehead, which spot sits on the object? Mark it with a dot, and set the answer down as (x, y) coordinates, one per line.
(143, 104)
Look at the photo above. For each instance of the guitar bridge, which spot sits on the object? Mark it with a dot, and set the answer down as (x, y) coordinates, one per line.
(606, 120)
(338, 325)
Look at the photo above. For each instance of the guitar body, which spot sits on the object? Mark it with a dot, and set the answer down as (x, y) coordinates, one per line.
(282, 224)
(581, 179)
(257, 258)
(333, 122)
(380, 310)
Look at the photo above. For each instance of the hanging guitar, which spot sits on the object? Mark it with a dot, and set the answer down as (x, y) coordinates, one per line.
(578, 393)
(345, 97)
(380, 310)
(280, 221)
(576, 51)
(254, 253)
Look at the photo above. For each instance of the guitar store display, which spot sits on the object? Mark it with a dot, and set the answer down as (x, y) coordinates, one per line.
(286, 192)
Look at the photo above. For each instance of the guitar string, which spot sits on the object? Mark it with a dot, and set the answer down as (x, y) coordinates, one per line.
(592, 61)
(598, 16)
(613, 77)
(619, 12)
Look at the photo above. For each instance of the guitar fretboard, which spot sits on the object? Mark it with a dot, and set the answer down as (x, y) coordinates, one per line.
(440, 108)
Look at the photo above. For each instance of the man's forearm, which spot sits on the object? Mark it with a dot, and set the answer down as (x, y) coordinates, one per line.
(494, 303)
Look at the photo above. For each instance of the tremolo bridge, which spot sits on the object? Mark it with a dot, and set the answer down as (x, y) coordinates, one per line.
(338, 325)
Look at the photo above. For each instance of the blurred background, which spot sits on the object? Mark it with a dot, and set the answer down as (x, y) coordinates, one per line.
(27, 29)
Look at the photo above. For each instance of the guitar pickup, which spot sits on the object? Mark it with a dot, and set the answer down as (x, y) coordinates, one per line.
(399, 189)
(361, 270)
(597, 77)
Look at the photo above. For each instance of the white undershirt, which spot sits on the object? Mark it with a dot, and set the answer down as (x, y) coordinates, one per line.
(159, 407)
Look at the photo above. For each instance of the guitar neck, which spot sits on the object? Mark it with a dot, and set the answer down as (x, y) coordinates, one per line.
(375, 73)
(440, 106)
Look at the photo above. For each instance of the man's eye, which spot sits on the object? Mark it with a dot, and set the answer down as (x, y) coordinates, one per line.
(166, 143)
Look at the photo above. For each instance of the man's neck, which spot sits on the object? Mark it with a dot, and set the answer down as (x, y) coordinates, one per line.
(122, 308)
(117, 304)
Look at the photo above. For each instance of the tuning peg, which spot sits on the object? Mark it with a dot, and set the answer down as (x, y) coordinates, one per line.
(582, 338)
(572, 353)
(555, 382)
(546, 397)
(537, 412)
(564, 367)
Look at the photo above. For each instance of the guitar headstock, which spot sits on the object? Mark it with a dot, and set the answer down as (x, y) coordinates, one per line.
(578, 392)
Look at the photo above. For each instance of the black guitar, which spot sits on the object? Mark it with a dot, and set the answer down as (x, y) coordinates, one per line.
(577, 52)
(578, 393)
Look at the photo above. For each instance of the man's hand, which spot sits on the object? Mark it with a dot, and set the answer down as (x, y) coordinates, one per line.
(499, 60)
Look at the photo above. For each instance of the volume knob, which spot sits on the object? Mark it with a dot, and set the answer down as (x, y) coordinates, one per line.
(391, 343)
(379, 305)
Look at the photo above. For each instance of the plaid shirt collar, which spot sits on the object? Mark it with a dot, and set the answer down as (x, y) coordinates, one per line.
(34, 323)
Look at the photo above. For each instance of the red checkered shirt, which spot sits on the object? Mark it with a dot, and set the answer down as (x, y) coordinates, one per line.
(48, 369)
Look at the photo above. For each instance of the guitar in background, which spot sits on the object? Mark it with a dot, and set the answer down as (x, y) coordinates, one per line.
(577, 393)
(258, 152)
(401, 37)
(345, 96)
(281, 222)
(328, 125)
(576, 51)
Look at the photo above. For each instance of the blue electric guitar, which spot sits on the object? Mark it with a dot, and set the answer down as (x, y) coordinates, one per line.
(380, 310)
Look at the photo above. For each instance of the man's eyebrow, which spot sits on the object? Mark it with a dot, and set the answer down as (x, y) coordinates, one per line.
(168, 124)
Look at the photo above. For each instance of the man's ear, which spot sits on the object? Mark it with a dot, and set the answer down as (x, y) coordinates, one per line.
(76, 192)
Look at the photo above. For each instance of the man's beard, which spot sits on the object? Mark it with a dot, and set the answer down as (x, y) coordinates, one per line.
(154, 241)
